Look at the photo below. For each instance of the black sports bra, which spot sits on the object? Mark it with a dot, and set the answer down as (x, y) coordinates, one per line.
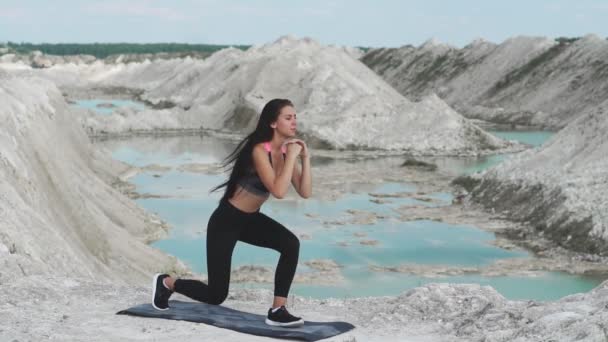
(252, 182)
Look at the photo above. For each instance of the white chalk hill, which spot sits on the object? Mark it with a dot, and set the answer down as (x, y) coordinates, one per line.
(340, 102)
(58, 213)
(568, 177)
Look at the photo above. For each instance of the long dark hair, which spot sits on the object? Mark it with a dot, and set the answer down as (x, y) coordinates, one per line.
(242, 156)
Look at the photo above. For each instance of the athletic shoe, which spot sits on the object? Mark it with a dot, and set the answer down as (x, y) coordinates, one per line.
(282, 318)
(160, 293)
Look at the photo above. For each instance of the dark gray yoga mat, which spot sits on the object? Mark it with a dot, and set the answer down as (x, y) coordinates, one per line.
(240, 321)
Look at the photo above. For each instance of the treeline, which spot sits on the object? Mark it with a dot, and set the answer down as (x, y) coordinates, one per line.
(103, 50)
(566, 40)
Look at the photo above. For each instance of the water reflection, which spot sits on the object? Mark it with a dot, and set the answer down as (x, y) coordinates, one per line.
(328, 226)
(106, 107)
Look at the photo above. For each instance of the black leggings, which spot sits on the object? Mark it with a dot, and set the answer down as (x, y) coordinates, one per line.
(228, 225)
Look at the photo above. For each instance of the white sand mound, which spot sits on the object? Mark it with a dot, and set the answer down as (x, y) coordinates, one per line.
(561, 188)
(524, 80)
(341, 103)
(58, 212)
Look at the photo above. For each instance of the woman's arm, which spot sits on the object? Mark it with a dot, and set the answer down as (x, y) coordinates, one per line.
(277, 184)
(305, 184)
(302, 180)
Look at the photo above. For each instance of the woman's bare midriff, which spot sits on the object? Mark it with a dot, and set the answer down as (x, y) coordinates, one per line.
(246, 201)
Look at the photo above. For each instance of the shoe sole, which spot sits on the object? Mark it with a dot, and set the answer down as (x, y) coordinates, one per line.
(290, 324)
(154, 282)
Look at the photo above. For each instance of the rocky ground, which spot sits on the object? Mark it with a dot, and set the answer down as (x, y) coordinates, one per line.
(36, 308)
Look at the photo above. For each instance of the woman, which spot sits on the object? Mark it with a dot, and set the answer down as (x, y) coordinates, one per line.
(265, 162)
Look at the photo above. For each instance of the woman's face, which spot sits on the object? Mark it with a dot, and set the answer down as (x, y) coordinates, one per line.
(286, 122)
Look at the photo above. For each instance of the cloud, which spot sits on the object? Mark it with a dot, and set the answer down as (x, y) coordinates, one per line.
(141, 8)
(554, 7)
(463, 20)
(600, 7)
(12, 13)
(569, 7)
(277, 11)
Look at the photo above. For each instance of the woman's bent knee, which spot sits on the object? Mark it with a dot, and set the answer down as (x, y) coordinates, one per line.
(217, 299)
(295, 244)
(291, 245)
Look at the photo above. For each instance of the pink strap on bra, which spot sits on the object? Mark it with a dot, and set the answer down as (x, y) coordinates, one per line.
(268, 149)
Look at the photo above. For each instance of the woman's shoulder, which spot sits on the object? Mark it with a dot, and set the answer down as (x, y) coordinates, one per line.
(264, 146)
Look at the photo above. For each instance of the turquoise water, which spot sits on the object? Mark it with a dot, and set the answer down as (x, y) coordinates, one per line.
(93, 105)
(421, 242)
(547, 286)
(484, 163)
(424, 242)
(533, 138)
(143, 158)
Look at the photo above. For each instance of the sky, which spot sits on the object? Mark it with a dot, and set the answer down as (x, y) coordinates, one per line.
(380, 23)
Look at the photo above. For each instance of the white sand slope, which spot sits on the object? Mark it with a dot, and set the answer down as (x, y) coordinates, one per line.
(58, 213)
(561, 188)
(524, 80)
(341, 103)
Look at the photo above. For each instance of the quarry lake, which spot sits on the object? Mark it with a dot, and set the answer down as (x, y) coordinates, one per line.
(107, 106)
(181, 197)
